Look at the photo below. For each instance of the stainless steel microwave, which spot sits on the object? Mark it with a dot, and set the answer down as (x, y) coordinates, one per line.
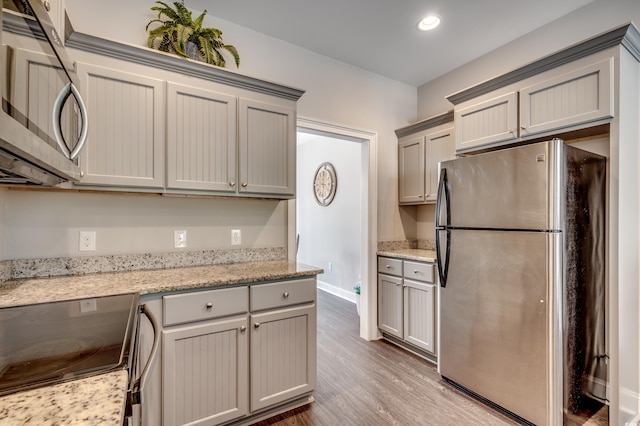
(43, 120)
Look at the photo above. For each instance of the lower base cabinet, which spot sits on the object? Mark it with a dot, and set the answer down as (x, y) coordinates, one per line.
(407, 303)
(230, 354)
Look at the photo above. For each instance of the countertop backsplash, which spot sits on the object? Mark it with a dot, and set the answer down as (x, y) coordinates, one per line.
(82, 265)
(406, 244)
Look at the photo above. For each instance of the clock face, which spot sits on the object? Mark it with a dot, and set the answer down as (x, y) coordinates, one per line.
(325, 184)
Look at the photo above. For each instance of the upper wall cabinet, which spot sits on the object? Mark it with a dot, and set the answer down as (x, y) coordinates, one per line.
(201, 139)
(570, 97)
(421, 148)
(169, 125)
(125, 143)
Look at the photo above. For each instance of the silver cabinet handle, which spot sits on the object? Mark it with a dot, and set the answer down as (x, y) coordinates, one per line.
(256, 325)
(243, 329)
(68, 90)
(244, 184)
(232, 183)
(285, 294)
(209, 305)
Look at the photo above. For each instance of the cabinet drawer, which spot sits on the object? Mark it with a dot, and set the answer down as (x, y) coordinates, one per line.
(276, 295)
(390, 266)
(203, 305)
(419, 271)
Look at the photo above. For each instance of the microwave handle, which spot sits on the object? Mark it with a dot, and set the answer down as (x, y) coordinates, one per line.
(68, 90)
(138, 385)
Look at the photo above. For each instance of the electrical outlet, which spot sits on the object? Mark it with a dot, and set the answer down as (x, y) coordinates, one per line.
(87, 241)
(179, 239)
(236, 237)
(88, 305)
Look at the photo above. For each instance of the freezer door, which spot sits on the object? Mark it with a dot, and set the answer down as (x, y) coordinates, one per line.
(514, 188)
(495, 318)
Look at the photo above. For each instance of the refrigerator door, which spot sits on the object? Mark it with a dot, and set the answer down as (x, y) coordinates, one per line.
(496, 318)
(515, 188)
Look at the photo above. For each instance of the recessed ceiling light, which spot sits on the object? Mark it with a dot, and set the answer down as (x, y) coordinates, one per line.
(429, 23)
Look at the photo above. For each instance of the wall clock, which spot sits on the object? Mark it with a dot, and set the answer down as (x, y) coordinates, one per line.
(325, 183)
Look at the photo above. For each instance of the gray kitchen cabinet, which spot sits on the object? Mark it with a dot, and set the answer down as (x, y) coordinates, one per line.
(204, 372)
(407, 303)
(267, 147)
(231, 354)
(201, 139)
(283, 342)
(126, 138)
(488, 122)
(569, 97)
(204, 357)
(419, 157)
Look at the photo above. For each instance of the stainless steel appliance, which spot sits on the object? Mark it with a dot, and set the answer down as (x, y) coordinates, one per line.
(520, 241)
(48, 343)
(43, 120)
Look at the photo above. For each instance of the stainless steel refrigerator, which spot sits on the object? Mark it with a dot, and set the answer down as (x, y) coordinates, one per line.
(520, 236)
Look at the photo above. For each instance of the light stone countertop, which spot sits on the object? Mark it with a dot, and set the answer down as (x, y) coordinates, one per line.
(97, 400)
(41, 290)
(410, 254)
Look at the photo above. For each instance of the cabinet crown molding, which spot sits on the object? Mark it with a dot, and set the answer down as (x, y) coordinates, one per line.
(167, 61)
(626, 35)
(425, 124)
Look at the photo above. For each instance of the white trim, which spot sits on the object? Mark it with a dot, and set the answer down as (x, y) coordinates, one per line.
(369, 243)
(349, 296)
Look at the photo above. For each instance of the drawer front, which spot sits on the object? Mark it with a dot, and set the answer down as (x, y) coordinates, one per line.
(419, 271)
(277, 295)
(203, 305)
(389, 266)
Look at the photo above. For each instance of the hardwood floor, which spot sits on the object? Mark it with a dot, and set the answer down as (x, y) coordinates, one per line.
(375, 383)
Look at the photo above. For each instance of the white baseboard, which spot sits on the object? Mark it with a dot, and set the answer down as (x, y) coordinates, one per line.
(337, 291)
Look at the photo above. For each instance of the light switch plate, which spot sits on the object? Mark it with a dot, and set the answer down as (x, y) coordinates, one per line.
(236, 237)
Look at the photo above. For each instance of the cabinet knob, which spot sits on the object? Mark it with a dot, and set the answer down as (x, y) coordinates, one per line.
(244, 184)
(285, 294)
(398, 284)
(232, 183)
(387, 266)
(420, 196)
(243, 329)
(47, 6)
(209, 305)
(256, 325)
(81, 173)
(416, 271)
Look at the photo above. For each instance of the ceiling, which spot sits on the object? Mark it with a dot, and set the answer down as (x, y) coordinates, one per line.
(382, 36)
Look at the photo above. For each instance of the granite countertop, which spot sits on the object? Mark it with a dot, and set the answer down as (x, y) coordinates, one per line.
(96, 400)
(100, 400)
(40, 290)
(410, 254)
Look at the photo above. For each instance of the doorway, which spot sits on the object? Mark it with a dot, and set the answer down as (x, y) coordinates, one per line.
(325, 236)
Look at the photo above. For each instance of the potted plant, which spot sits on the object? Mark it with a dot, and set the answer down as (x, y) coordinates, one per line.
(179, 33)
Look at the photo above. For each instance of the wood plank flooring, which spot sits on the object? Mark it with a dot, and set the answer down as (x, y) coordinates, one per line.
(365, 383)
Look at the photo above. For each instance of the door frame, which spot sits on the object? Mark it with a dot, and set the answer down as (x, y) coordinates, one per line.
(369, 223)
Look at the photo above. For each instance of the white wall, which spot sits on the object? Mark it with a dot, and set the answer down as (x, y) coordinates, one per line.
(331, 234)
(593, 19)
(47, 224)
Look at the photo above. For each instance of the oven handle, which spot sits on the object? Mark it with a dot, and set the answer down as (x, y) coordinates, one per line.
(138, 385)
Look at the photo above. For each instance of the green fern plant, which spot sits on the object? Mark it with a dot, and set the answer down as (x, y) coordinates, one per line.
(177, 28)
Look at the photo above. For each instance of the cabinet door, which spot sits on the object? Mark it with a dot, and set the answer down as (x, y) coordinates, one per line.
(488, 122)
(574, 98)
(440, 146)
(126, 117)
(267, 138)
(411, 162)
(390, 305)
(201, 139)
(419, 318)
(283, 355)
(204, 371)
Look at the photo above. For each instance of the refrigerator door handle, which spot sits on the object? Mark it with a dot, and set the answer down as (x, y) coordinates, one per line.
(442, 201)
(442, 261)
